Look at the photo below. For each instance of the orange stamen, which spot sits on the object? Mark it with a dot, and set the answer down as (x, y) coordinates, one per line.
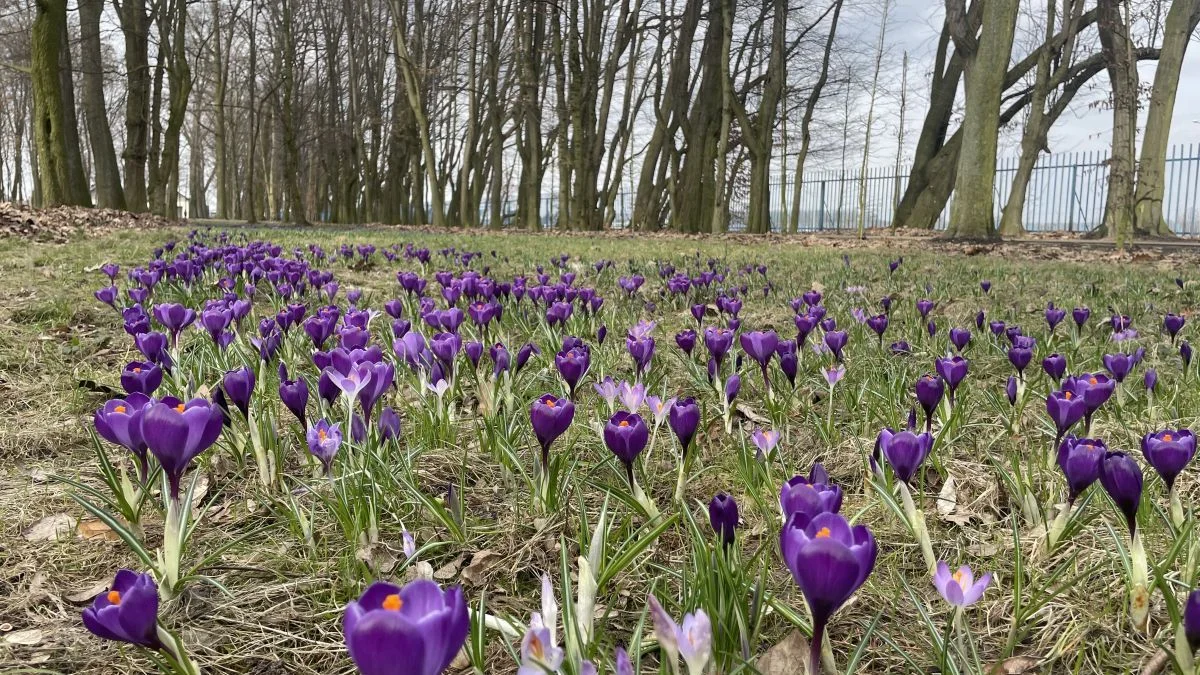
(624, 423)
(1167, 438)
(393, 603)
(824, 533)
(119, 409)
(114, 597)
(180, 408)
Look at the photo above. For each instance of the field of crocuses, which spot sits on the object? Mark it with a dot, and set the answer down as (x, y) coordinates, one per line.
(322, 451)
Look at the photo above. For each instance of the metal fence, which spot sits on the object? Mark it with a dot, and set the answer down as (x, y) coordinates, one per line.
(1066, 193)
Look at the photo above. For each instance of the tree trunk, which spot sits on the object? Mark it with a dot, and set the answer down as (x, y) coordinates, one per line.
(109, 193)
(135, 24)
(1181, 22)
(1117, 47)
(49, 119)
(77, 178)
(972, 212)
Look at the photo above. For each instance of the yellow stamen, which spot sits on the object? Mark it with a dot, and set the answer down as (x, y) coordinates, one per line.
(114, 597)
(393, 603)
(119, 409)
(824, 533)
(960, 579)
(536, 649)
(322, 435)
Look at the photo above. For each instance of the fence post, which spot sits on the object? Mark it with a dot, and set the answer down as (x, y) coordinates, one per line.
(821, 213)
(1071, 199)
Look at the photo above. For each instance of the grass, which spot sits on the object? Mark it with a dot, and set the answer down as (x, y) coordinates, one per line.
(275, 602)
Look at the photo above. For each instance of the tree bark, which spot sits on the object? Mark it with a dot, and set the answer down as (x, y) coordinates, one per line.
(1117, 48)
(1182, 18)
(109, 193)
(49, 119)
(135, 24)
(972, 212)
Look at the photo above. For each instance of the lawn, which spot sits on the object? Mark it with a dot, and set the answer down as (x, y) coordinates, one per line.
(280, 545)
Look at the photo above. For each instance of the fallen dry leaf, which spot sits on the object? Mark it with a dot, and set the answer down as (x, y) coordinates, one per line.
(947, 499)
(785, 658)
(480, 563)
(30, 637)
(448, 570)
(95, 529)
(50, 528)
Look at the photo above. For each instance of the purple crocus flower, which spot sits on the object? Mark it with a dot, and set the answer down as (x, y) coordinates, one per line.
(718, 341)
(141, 378)
(1010, 390)
(980, 318)
(1054, 316)
(626, 436)
(684, 419)
(1094, 388)
(829, 560)
(805, 323)
(996, 327)
(382, 376)
(900, 347)
(1169, 452)
(1173, 323)
(1081, 316)
(686, 339)
(238, 386)
(698, 313)
(1122, 480)
(176, 432)
(960, 588)
(809, 496)
(905, 451)
(153, 346)
(930, 388)
(127, 611)
(1118, 365)
(1055, 366)
(952, 369)
(389, 424)
(119, 422)
(107, 295)
(924, 306)
(1020, 357)
(573, 365)
(641, 350)
(1191, 619)
(1150, 379)
(1065, 408)
(985, 285)
(174, 317)
(294, 394)
(960, 337)
(760, 346)
(878, 324)
(550, 417)
(324, 439)
(836, 341)
(765, 441)
(353, 382)
(416, 630)
(723, 516)
(1080, 460)
(732, 386)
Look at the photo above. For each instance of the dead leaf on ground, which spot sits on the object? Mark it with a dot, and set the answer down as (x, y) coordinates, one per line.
(1016, 665)
(31, 637)
(448, 570)
(751, 415)
(785, 658)
(480, 563)
(96, 529)
(51, 528)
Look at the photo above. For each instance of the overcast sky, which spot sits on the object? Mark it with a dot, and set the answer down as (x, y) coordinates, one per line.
(914, 26)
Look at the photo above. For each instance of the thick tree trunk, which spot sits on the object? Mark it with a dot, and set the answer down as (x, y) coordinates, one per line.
(1117, 47)
(972, 212)
(695, 189)
(49, 118)
(109, 193)
(1181, 22)
(80, 192)
(135, 24)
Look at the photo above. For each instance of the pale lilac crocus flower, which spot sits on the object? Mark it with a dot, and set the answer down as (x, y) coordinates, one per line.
(834, 375)
(960, 588)
(632, 395)
(765, 441)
